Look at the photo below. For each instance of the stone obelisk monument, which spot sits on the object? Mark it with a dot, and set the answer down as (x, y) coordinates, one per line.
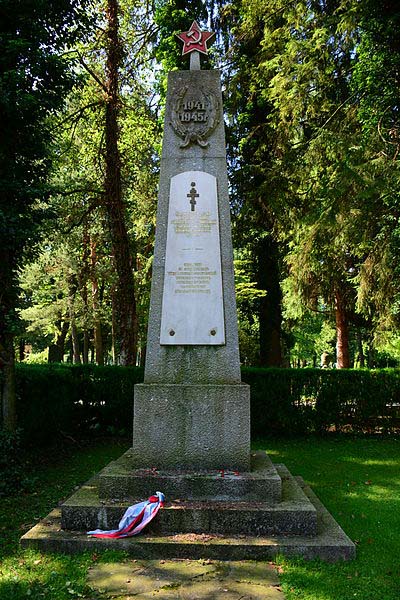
(192, 411)
(191, 433)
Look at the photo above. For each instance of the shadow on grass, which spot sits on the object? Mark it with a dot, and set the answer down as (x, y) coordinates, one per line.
(358, 480)
(58, 471)
(32, 575)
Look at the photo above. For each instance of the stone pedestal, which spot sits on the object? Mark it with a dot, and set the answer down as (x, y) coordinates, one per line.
(191, 426)
(225, 515)
(192, 410)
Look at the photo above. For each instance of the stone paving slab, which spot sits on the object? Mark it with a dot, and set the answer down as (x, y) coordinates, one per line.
(186, 580)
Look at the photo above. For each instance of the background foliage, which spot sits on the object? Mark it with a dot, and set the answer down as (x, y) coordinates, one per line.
(311, 97)
(75, 400)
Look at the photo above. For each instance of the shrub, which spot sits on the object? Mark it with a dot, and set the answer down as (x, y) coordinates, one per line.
(295, 401)
(74, 399)
(13, 477)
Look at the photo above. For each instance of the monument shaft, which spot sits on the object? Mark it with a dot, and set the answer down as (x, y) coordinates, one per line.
(192, 410)
(201, 363)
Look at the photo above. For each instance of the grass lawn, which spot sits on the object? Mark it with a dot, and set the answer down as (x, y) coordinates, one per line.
(357, 479)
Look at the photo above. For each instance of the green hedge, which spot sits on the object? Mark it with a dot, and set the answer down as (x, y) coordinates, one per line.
(74, 399)
(294, 401)
(78, 399)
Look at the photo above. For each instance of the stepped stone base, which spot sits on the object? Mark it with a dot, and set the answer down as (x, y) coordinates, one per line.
(330, 542)
(293, 515)
(269, 512)
(120, 480)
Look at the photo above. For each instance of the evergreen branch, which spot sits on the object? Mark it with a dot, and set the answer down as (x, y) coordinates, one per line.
(316, 134)
(92, 73)
(338, 109)
(79, 191)
(78, 114)
(92, 206)
(148, 32)
(71, 140)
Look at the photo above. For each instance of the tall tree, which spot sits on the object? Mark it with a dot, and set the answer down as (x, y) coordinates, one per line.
(376, 82)
(301, 75)
(124, 298)
(104, 186)
(114, 62)
(257, 194)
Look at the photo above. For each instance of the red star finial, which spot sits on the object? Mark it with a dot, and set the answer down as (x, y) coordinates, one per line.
(195, 39)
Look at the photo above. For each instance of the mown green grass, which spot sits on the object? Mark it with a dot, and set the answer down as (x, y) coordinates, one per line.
(357, 479)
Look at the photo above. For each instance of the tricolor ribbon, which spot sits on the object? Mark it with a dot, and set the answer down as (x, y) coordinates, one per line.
(135, 518)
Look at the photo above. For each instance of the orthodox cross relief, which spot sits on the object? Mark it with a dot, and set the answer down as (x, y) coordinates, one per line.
(193, 195)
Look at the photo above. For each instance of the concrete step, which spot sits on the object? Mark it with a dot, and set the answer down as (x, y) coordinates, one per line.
(120, 481)
(330, 542)
(293, 515)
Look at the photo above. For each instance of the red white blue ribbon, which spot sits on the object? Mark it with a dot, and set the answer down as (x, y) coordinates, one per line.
(135, 518)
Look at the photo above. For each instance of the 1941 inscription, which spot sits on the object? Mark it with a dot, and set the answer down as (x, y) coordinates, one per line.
(193, 110)
(194, 115)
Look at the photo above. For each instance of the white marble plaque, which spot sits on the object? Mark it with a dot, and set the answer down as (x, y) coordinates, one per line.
(192, 305)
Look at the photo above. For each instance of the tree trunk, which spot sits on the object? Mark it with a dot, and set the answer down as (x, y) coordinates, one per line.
(98, 343)
(56, 351)
(7, 357)
(370, 352)
(76, 355)
(85, 350)
(143, 356)
(342, 332)
(92, 349)
(54, 355)
(97, 332)
(83, 281)
(125, 305)
(21, 350)
(270, 305)
(7, 384)
(361, 356)
(114, 349)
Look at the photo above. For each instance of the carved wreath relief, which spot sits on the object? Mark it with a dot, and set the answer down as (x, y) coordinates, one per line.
(194, 116)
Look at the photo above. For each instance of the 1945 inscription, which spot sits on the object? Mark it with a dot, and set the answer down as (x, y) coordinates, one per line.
(194, 115)
(193, 111)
